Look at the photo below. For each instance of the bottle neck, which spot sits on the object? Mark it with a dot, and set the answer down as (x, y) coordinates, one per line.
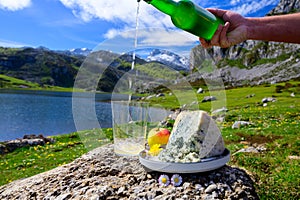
(166, 6)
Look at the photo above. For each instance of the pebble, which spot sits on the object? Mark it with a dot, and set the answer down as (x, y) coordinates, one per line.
(110, 178)
(64, 196)
(95, 197)
(199, 187)
(210, 188)
(186, 185)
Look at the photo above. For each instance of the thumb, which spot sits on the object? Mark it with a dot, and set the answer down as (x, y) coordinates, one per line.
(217, 12)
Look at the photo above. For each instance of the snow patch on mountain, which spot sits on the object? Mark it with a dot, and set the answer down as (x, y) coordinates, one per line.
(75, 52)
(80, 51)
(168, 58)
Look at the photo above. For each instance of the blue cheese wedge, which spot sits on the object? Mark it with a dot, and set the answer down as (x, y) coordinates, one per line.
(195, 135)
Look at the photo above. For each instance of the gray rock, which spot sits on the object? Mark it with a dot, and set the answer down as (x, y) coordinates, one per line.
(286, 6)
(209, 98)
(220, 110)
(199, 187)
(160, 95)
(200, 91)
(210, 188)
(292, 94)
(149, 97)
(252, 149)
(106, 184)
(95, 197)
(268, 99)
(64, 196)
(28, 140)
(239, 124)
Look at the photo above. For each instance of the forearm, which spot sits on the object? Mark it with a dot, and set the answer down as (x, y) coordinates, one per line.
(284, 28)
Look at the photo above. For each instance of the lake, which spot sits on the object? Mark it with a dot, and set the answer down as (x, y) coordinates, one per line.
(50, 113)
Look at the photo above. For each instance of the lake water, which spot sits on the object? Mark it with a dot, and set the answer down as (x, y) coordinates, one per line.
(47, 113)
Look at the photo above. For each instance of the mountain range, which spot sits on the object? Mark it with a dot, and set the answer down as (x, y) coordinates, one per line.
(177, 62)
(76, 52)
(249, 63)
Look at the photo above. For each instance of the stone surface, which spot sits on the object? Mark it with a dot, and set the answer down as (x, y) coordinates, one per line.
(251, 149)
(101, 174)
(194, 136)
(239, 124)
(268, 99)
(208, 98)
(28, 140)
(286, 6)
(200, 91)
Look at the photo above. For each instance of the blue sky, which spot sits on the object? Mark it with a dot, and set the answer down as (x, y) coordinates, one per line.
(67, 24)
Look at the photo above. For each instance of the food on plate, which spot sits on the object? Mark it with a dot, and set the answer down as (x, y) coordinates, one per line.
(195, 136)
(158, 136)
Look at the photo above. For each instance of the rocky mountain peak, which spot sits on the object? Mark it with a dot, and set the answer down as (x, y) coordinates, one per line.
(168, 58)
(286, 6)
(254, 62)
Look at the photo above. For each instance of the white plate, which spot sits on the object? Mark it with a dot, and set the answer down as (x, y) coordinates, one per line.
(205, 165)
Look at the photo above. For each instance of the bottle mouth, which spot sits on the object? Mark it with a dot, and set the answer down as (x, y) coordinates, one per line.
(148, 1)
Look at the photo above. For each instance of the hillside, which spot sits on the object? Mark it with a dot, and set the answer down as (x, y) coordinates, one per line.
(39, 65)
(60, 68)
(252, 62)
(249, 63)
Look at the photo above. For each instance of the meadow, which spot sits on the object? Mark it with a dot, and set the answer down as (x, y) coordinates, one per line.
(274, 129)
(7, 82)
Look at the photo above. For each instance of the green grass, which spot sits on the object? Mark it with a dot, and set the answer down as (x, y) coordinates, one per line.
(275, 127)
(10, 82)
(28, 161)
(7, 82)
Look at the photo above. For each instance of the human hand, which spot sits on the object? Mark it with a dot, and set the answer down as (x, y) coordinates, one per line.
(234, 31)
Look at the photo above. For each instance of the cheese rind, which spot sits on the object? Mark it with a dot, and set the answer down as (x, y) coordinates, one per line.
(194, 136)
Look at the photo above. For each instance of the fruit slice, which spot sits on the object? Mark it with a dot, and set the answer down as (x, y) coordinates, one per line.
(158, 136)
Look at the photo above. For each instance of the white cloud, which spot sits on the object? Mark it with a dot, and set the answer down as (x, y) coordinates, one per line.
(249, 7)
(162, 37)
(234, 2)
(111, 33)
(172, 40)
(6, 43)
(107, 10)
(149, 38)
(14, 5)
(123, 14)
(118, 11)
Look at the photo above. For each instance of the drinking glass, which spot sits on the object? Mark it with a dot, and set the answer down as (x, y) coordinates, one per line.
(129, 127)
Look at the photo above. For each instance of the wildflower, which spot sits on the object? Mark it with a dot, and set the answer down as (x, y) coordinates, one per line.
(164, 180)
(155, 149)
(176, 180)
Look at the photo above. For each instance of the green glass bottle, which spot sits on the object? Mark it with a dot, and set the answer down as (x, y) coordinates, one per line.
(189, 17)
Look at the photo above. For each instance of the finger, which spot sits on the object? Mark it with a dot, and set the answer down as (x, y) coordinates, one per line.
(223, 36)
(215, 40)
(217, 12)
(204, 43)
